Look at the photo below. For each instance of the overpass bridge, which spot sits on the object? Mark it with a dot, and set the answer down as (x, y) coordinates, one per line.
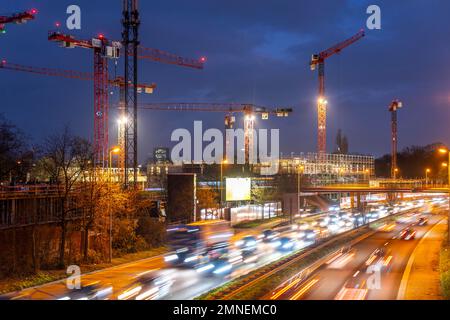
(369, 189)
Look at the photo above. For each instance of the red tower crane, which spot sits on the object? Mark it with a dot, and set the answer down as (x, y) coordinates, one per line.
(103, 50)
(117, 82)
(18, 18)
(70, 74)
(249, 111)
(319, 60)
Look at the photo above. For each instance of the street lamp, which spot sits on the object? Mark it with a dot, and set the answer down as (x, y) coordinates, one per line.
(447, 152)
(427, 171)
(225, 161)
(115, 150)
(300, 170)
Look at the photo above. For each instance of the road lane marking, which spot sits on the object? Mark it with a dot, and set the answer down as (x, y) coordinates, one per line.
(302, 291)
(282, 291)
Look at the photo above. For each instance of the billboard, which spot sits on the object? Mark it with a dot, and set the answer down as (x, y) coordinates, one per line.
(238, 189)
(181, 196)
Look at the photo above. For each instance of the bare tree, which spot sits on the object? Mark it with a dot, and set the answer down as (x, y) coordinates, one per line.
(12, 145)
(65, 158)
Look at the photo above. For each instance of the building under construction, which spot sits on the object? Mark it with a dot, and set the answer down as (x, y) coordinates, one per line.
(326, 169)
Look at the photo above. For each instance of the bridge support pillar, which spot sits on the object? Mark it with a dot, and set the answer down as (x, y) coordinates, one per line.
(352, 200)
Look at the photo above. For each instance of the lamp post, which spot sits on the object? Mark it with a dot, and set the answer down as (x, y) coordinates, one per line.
(300, 170)
(225, 161)
(427, 171)
(446, 151)
(115, 150)
(395, 173)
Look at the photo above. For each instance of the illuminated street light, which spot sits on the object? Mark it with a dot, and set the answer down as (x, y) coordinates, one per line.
(300, 170)
(427, 171)
(446, 151)
(224, 161)
(115, 150)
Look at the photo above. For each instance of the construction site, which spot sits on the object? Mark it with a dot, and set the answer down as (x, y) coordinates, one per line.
(117, 157)
(208, 169)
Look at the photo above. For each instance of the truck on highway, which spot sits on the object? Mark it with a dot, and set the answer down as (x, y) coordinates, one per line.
(198, 243)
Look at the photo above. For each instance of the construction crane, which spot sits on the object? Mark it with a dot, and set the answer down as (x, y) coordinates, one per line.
(117, 82)
(132, 52)
(318, 61)
(103, 50)
(70, 74)
(130, 42)
(393, 107)
(249, 111)
(18, 18)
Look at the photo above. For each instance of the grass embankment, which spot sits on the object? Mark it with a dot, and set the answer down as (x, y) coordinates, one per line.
(18, 283)
(444, 270)
(262, 288)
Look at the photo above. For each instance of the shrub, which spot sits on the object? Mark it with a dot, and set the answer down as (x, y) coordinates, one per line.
(151, 230)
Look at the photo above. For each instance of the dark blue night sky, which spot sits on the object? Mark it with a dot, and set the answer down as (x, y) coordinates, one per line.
(258, 52)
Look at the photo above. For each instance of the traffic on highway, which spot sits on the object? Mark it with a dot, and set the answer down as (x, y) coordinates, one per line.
(205, 255)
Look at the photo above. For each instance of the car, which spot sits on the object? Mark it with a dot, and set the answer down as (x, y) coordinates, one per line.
(422, 221)
(286, 244)
(247, 245)
(268, 235)
(91, 291)
(310, 235)
(373, 215)
(380, 257)
(388, 226)
(354, 289)
(147, 286)
(408, 234)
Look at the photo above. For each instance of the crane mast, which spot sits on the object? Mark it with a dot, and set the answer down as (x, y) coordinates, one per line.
(318, 61)
(393, 108)
(130, 41)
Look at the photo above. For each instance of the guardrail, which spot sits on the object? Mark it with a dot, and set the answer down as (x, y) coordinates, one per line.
(7, 192)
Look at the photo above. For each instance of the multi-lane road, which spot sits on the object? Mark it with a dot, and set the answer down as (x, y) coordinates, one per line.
(349, 271)
(326, 283)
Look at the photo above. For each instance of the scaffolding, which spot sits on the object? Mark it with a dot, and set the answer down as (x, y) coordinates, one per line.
(328, 169)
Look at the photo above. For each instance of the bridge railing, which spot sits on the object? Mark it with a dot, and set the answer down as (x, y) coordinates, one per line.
(7, 192)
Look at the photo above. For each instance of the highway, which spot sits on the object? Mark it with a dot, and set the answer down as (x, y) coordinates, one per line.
(349, 269)
(188, 283)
